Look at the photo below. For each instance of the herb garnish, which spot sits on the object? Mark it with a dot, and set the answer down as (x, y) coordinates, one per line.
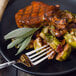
(21, 36)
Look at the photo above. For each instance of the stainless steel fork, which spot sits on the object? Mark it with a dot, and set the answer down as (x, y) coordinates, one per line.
(35, 56)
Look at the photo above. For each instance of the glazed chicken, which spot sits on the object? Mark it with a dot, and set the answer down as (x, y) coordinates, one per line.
(35, 14)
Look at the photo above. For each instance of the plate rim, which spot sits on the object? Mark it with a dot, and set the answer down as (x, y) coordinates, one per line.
(37, 73)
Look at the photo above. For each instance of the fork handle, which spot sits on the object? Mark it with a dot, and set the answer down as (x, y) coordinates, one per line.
(7, 64)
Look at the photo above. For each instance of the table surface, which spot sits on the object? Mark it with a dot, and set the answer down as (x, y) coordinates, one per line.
(11, 71)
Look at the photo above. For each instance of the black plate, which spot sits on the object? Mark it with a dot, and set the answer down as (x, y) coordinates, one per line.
(50, 67)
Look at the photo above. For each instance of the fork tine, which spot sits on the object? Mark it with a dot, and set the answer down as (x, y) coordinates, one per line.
(33, 51)
(40, 55)
(42, 59)
(39, 52)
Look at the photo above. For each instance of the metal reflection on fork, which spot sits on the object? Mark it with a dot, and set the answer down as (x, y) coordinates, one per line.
(37, 57)
(34, 56)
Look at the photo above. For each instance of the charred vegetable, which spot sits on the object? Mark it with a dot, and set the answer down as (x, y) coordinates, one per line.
(64, 54)
(71, 38)
(24, 60)
(44, 32)
(37, 43)
(54, 43)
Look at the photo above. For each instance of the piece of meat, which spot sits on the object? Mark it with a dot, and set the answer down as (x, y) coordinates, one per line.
(35, 14)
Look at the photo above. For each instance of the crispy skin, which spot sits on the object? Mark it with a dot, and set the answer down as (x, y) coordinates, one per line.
(35, 14)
